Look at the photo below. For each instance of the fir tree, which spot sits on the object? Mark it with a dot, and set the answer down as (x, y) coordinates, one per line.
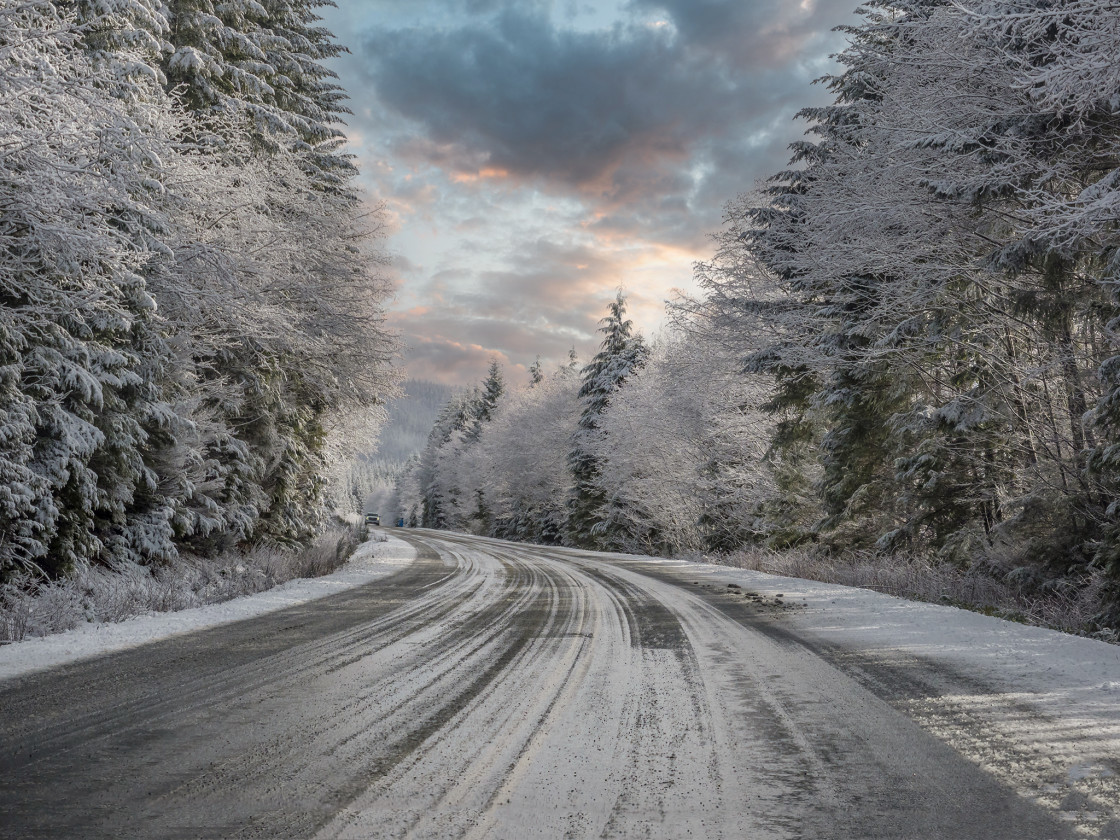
(80, 345)
(439, 496)
(265, 62)
(621, 353)
(492, 389)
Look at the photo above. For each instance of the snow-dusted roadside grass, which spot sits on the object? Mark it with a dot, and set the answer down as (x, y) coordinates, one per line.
(31, 608)
(376, 558)
(1072, 610)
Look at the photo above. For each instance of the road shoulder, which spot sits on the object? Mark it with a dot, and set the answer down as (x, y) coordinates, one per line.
(1036, 708)
(372, 561)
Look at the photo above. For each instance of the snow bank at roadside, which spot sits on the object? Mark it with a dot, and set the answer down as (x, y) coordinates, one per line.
(872, 622)
(372, 560)
(1038, 709)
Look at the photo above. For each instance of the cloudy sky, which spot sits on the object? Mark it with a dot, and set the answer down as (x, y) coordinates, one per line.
(535, 156)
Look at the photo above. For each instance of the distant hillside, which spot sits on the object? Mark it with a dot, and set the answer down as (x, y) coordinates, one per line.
(405, 432)
(410, 419)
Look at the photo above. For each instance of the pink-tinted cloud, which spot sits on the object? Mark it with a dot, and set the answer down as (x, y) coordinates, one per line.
(533, 166)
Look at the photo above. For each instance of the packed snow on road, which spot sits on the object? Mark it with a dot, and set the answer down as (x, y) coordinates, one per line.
(498, 690)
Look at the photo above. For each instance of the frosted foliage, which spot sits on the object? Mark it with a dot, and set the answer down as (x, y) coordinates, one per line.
(977, 188)
(262, 252)
(591, 521)
(931, 286)
(129, 34)
(79, 174)
(276, 302)
(191, 334)
(620, 355)
(407, 498)
(681, 451)
(352, 434)
(459, 467)
(496, 463)
(1078, 73)
(263, 62)
(674, 460)
(526, 451)
(433, 475)
(1061, 63)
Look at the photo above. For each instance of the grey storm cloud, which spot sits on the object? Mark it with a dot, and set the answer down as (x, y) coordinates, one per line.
(749, 32)
(538, 154)
(566, 282)
(515, 93)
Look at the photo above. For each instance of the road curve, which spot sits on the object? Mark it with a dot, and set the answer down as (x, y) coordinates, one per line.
(491, 690)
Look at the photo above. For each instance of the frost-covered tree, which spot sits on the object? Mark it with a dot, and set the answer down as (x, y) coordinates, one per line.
(682, 448)
(591, 522)
(81, 353)
(441, 496)
(931, 283)
(191, 322)
(277, 343)
(263, 62)
(449, 475)
(999, 303)
(407, 495)
(492, 389)
(128, 38)
(1057, 157)
(507, 476)
(526, 476)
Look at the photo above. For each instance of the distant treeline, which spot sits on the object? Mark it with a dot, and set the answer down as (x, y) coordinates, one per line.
(641, 450)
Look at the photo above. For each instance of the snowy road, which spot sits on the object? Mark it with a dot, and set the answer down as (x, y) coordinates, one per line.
(493, 690)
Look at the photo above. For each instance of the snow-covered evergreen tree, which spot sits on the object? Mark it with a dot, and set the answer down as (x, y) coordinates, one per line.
(80, 349)
(441, 500)
(492, 389)
(592, 520)
(1056, 159)
(264, 61)
(529, 483)
(931, 283)
(681, 451)
(190, 321)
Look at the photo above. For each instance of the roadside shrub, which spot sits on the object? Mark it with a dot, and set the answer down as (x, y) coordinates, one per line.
(32, 606)
(990, 585)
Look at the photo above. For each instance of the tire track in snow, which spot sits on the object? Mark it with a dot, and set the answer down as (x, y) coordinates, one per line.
(820, 756)
(1057, 764)
(238, 702)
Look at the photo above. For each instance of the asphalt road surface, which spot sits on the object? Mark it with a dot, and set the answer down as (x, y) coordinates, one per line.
(493, 690)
